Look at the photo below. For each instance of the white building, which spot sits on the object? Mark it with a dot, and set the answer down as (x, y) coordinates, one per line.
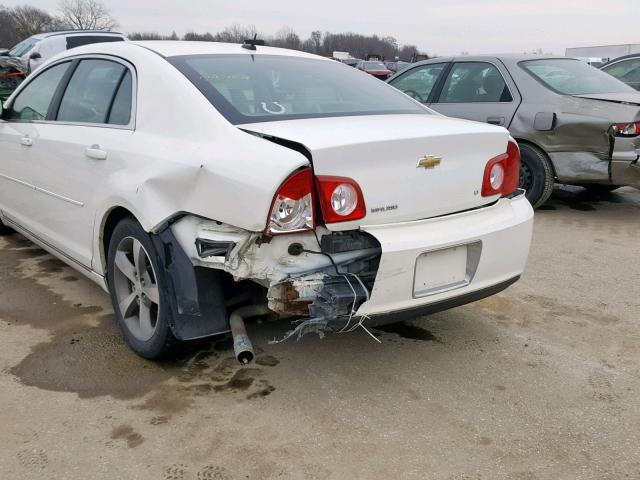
(606, 52)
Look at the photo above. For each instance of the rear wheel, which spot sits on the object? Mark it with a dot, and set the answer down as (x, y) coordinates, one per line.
(536, 174)
(138, 292)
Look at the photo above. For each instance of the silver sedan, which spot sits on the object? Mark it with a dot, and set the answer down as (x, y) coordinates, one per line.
(574, 123)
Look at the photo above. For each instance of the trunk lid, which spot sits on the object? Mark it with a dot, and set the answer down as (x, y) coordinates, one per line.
(631, 98)
(382, 153)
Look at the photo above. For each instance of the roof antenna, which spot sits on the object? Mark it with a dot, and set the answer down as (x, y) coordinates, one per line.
(251, 43)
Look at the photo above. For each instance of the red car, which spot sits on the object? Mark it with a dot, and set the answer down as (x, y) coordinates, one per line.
(375, 68)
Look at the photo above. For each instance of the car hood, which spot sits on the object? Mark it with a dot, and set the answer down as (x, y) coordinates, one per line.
(13, 62)
(630, 98)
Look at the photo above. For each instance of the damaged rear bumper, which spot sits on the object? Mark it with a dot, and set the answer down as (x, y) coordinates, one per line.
(620, 166)
(492, 243)
(377, 272)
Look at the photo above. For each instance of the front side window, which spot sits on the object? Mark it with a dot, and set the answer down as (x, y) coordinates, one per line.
(419, 82)
(91, 92)
(573, 77)
(257, 88)
(34, 101)
(475, 82)
(627, 71)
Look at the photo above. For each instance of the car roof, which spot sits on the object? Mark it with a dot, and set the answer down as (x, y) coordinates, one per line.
(41, 36)
(172, 48)
(510, 57)
(624, 57)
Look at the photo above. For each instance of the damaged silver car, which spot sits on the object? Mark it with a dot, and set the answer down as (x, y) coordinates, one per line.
(574, 124)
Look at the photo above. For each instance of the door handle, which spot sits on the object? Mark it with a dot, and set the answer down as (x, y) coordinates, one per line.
(496, 120)
(96, 153)
(26, 141)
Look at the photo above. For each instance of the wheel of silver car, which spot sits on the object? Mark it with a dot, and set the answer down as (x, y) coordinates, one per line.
(138, 292)
(536, 174)
(136, 288)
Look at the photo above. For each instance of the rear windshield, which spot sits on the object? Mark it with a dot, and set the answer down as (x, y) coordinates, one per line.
(375, 66)
(260, 88)
(573, 77)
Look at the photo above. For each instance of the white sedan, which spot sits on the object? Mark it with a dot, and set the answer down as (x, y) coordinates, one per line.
(203, 183)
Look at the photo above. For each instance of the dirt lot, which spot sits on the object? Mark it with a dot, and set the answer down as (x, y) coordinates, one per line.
(539, 382)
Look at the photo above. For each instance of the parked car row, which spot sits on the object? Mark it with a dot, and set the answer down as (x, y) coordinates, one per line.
(574, 124)
(28, 55)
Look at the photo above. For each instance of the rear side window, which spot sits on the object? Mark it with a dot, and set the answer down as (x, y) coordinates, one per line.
(419, 82)
(93, 91)
(34, 101)
(79, 40)
(121, 109)
(475, 82)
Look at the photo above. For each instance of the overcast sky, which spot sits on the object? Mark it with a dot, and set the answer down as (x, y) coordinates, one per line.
(435, 26)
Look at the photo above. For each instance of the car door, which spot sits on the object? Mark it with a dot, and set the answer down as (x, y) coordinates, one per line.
(19, 131)
(478, 90)
(81, 144)
(420, 82)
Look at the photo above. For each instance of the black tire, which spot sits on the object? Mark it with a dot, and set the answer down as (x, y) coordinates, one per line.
(600, 188)
(536, 174)
(4, 230)
(162, 344)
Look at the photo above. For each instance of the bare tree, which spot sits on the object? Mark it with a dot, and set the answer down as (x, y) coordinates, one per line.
(236, 34)
(286, 38)
(86, 15)
(28, 21)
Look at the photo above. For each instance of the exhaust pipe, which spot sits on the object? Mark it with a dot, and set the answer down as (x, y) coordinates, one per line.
(241, 344)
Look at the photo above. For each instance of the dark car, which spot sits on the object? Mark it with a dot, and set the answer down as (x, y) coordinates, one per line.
(625, 69)
(575, 124)
(376, 68)
(352, 62)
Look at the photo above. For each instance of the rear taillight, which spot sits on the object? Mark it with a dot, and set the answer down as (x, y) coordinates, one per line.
(502, 173)
(292, 206)
(626, 129)
(341, 199)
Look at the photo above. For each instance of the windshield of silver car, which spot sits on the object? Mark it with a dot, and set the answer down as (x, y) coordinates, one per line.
(23, 47)
(573, 77)
(258, 88)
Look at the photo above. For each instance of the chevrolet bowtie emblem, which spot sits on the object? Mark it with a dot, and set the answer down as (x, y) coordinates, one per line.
(430, 161)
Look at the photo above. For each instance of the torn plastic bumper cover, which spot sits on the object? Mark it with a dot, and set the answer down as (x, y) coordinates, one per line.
(328, 280)
(194, 293)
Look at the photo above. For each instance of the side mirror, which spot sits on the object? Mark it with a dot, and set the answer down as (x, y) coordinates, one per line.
(35, 56)
(4, 53)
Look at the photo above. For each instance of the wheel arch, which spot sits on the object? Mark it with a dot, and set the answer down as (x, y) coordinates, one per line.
(110, 219)
(530, 143)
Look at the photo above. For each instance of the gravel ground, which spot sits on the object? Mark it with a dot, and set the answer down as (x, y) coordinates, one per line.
(539, 382)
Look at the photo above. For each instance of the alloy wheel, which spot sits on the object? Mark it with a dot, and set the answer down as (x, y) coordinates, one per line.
(136, 288)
